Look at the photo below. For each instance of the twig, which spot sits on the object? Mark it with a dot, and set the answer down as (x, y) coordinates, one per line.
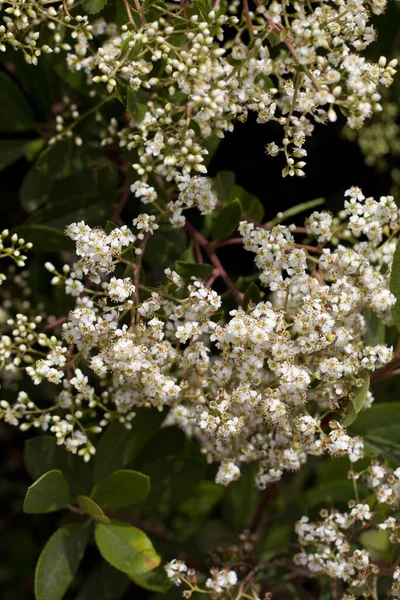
(197, 251)
(309, 248)
(248, 20)
(124, 197)
(55, 323)
(139, 8)
(139, 258)
(259, 518)
(334, 590)
(291, 49)
(212, 278)
(302, 571)
(183, 7)
(230, 242)
(386, 371)
(210, 250)
(68, 364)
(128, 12)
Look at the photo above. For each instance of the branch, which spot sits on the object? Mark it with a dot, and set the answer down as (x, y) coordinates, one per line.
(248, 19)
(53, 324)
(139, 258)
(291, 48)
(386, 371)
(259, 518)
(210, 250)
(124, 197)
(128, 12)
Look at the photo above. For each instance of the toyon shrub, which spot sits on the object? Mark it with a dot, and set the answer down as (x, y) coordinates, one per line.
(207, 393)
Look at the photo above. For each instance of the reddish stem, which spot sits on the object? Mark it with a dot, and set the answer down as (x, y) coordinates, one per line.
(210, 250)
(139, 259)
(53, 324)
(309, 248)
(290, 47)
(387, 370)
(124, 197)
(230, 242)
(259, 518)
(248, 20)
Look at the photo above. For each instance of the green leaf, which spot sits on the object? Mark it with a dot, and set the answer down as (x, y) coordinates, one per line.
(356, 403)
(154, 581)
(119, 446)
(16, 113)
(239, 494)
(223, 184)
(227, 221)
(42, 454)
(380, 427)
(274, 39)
(227, 191)
(103, 583)
(299, 208)
(164, 249)
(33, 149)
(125, 547)
(75, 79)
(63, 159)
(395, 285)
(39, 82)
(93, 6)
(48, 494)
(379, 416)
(167, 441)
(251, 205)
(59, 561)
(211, 144)
(267, 82)
(88, 197)
(35, 190)
(377, 543)
(11, 151)
(92, 509)
(44, 238)
(252, 294)
(189, 269)
(205, 495)
(332, 493)
(122, 488)
(276, 538)
(203, 7)
(136, 104)
(172, 479)
(376, 330)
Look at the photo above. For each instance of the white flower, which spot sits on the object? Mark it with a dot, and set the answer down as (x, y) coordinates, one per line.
(120, 289)
(227, 472)
(175, 569)
(221, 580)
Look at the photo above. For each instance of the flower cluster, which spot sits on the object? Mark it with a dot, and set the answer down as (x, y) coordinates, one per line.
(332, 546)
(220, 582)
(13, 247)
(254, 389)
(302, 66)
(23, 18)
(274, 379)
(326, 546)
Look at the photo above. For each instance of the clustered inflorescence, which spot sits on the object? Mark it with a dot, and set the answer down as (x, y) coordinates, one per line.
(253, 389)
(274, 382)
(211, 76)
